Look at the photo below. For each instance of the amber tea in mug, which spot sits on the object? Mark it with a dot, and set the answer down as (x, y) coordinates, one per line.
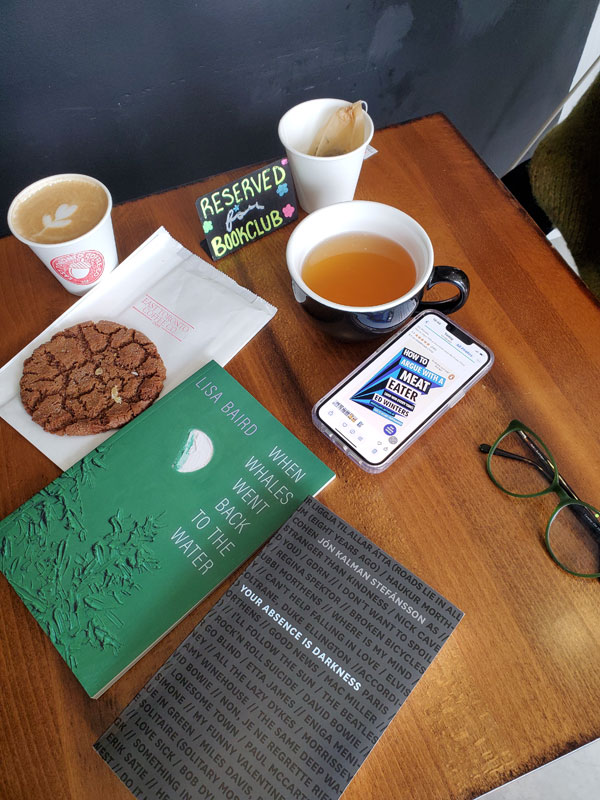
(359, 269)
(371, 266)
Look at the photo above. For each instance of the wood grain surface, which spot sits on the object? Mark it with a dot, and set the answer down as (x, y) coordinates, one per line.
(519, 682)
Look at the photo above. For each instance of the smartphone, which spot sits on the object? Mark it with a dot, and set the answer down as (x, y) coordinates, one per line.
(385, 404)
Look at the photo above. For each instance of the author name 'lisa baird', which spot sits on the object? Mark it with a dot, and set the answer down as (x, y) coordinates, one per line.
(235, 415)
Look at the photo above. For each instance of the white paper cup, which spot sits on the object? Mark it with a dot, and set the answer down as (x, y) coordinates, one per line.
(320, 181)
(79, 264)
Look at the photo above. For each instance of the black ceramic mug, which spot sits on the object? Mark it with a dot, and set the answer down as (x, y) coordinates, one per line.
(365, 322)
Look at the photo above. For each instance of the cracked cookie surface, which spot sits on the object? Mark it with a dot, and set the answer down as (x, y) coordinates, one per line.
(91, 378)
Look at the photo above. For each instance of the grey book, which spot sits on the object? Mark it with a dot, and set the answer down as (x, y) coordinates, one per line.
(289, 681)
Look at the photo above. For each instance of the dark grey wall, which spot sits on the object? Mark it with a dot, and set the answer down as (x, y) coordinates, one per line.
(154, 93)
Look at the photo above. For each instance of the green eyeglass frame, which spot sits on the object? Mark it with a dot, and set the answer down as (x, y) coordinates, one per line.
(544, 462)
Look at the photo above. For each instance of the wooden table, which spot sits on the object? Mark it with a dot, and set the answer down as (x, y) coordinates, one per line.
(519, 682)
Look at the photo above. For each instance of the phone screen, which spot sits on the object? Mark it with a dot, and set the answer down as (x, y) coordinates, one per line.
(397, 392)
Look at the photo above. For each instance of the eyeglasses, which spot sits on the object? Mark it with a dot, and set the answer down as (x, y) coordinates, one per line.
(521, 465)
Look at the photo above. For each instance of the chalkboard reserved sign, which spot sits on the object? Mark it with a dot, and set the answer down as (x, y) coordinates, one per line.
(248, 208)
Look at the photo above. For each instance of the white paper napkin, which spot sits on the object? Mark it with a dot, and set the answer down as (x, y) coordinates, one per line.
(190, 310)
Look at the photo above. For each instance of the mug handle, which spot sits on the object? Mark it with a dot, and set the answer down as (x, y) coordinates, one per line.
(447, 275)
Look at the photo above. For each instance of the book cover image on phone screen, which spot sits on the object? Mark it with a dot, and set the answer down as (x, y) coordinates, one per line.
(113, 553)
(289, 681)
(393, 392)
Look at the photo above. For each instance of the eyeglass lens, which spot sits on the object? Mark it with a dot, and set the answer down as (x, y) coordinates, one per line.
(573, 541)
(521, 474)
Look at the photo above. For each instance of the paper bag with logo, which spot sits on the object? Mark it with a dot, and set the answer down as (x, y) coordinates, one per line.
(192, 312)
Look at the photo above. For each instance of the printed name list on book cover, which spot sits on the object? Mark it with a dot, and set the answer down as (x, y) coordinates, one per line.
(288, 682)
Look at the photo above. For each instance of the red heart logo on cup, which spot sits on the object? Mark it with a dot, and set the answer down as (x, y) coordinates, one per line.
(81, 268)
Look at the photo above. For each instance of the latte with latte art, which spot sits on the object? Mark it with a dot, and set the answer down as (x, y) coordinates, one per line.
(60, 210)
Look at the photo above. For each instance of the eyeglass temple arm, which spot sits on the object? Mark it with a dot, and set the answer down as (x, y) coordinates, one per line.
(545, 470)
(548, 471)
(531, 444)
(545, 467)
(582, 514)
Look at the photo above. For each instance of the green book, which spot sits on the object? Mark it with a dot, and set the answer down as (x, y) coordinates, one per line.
(113, 553)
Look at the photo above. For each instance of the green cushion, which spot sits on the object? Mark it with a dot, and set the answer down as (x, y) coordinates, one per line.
(565, 180)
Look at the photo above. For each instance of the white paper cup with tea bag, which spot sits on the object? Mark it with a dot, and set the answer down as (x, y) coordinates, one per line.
(66, 221)
(322, 180)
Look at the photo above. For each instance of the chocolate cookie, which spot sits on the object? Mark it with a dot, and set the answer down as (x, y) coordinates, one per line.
(91, 378)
